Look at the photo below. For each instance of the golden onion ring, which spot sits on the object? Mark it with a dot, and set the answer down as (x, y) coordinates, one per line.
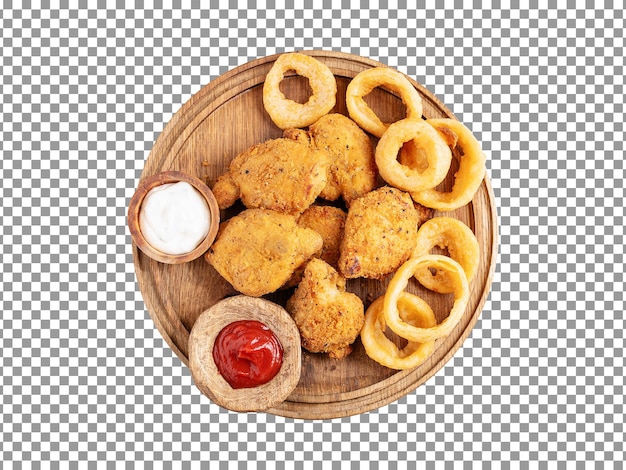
(381, 349)
(468, 177)
(426, 141)
(364, 82)
(462, 246)
(286, 113)
(399, 282)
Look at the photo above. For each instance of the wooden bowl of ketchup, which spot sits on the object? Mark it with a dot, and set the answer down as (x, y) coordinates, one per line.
(245, 354)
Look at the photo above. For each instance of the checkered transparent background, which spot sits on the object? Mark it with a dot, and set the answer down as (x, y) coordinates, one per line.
(87, 87)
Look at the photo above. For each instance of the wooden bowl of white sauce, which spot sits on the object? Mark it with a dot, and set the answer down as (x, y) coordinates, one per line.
(173, 217)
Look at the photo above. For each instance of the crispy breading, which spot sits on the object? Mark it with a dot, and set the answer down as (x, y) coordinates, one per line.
(380, 234)
(284, 175)
(328, 317)
(259, 249)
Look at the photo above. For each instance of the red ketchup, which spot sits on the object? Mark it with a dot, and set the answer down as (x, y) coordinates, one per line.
(247, 354)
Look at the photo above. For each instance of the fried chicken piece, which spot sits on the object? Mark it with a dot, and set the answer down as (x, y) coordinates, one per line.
(380, 234)
(352, 171)
(259, 249)
(329, 222)
(284, 175)
(329, 318)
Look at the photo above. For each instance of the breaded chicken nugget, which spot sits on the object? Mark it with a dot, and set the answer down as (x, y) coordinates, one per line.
(352, 170)
(259, 249)
(329, 318)
(380, 234)
(329, 222)
(284, 175)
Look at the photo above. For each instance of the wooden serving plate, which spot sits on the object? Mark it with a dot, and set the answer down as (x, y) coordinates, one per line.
(224, 118)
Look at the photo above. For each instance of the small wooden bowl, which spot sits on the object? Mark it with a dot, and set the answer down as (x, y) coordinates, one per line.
(134, 208)
(205, 372)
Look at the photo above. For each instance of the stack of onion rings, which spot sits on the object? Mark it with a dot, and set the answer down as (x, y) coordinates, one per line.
(410, 317)
(399, 282)
(286, 113)
(462, 246)
(365, 82)
(468, 177)
(378, 347)
(426, 141)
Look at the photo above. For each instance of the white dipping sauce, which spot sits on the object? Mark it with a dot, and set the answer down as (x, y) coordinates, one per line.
(174, 218)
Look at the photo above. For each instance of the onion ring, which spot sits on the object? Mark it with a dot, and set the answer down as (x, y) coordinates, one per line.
(286, 113)
(384, 351)
(467, 179)
(364, 82)
(462, 245)
(427, 141)
(399, 282)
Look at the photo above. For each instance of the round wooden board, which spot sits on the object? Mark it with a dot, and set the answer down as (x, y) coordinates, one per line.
(221, 120)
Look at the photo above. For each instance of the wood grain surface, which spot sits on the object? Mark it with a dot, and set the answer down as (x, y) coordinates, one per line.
(224, 118)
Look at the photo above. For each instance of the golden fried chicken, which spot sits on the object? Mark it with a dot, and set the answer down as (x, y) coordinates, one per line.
(380, 234)
(329, 222)
(259, 249)
(329, 318)
(284, 175)
(352, 171)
